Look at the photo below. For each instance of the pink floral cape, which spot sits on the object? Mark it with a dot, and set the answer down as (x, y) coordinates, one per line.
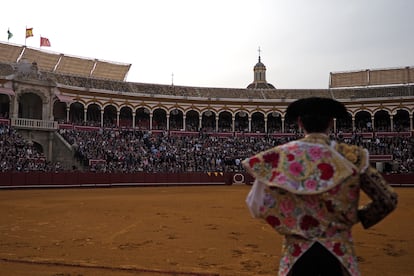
(300, 167)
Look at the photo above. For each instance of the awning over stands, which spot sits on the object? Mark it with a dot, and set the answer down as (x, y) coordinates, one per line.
(63, 98)
(7, 91)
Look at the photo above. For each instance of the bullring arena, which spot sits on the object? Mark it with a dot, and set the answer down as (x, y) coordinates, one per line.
(100, 176)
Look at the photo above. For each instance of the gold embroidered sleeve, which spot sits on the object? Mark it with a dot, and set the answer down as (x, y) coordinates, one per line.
(384, 198)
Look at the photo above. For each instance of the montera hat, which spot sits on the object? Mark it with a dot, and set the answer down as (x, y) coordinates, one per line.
(316, 107)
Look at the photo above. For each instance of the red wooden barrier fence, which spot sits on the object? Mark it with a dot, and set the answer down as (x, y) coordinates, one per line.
(89, 179)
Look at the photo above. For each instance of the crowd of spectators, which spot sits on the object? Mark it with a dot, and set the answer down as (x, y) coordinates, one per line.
(20, 155)
(116, 150)
(133, 151)
(123, 150)
(399, 147)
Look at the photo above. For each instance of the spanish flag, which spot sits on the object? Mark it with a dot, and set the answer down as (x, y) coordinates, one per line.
(29, 32)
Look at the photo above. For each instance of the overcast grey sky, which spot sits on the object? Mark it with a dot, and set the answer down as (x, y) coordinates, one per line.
(214, 43)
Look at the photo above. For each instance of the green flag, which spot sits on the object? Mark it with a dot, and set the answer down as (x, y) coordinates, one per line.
(9, 34)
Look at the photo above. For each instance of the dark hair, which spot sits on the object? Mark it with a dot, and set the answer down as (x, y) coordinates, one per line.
(316, 112)
(315, 123)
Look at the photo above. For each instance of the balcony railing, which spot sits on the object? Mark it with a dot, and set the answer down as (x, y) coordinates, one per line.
(34, 124)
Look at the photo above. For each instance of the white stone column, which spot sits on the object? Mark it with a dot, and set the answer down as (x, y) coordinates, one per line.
(150, 126)
(353, 123)
(102, 116)
(14, 110)
(250, 123)
(85, 113)
(67, 112)
(373, 123)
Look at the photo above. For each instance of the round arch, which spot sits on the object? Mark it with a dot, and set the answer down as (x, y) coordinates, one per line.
(344, 124)
(258, 122)
(208, 120)
(125, 116)
(110, 112)
(363, 122)
(401, 120)
(291, 125)
(225, 121)
(59, 111)
(76, 113)
(274, 122)
(192, 120)
(159, 118)
(382, 120)
(176, 119)
(142, 118)
(93, 114)
(241, 121)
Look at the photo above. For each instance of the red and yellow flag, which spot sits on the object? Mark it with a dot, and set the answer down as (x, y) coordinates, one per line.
(29, 32)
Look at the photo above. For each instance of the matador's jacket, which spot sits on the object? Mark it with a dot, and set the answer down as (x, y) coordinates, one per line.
(308, 190)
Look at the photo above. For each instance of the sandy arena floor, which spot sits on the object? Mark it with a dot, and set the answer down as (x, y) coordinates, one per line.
(204, 230)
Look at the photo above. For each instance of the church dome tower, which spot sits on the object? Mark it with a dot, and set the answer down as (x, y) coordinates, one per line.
(259, 81)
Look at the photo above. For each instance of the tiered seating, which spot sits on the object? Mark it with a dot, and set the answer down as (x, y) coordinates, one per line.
(17, 154)
(374, 92)
(75, 66)
(110, 70)
(64, 64)
(44, 60)
(9, 53)
(131, 151)
(383, 77)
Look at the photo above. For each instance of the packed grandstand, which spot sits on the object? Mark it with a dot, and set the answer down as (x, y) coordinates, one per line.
(64, 113)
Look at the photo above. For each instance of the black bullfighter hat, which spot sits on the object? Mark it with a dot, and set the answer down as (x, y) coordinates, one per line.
(316, 106)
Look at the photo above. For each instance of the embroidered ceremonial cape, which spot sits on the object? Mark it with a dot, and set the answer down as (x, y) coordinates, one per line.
(308, 191)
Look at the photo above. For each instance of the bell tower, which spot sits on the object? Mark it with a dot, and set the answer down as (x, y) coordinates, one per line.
(259, 79)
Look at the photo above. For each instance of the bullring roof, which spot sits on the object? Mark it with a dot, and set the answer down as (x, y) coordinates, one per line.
(64, 64)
